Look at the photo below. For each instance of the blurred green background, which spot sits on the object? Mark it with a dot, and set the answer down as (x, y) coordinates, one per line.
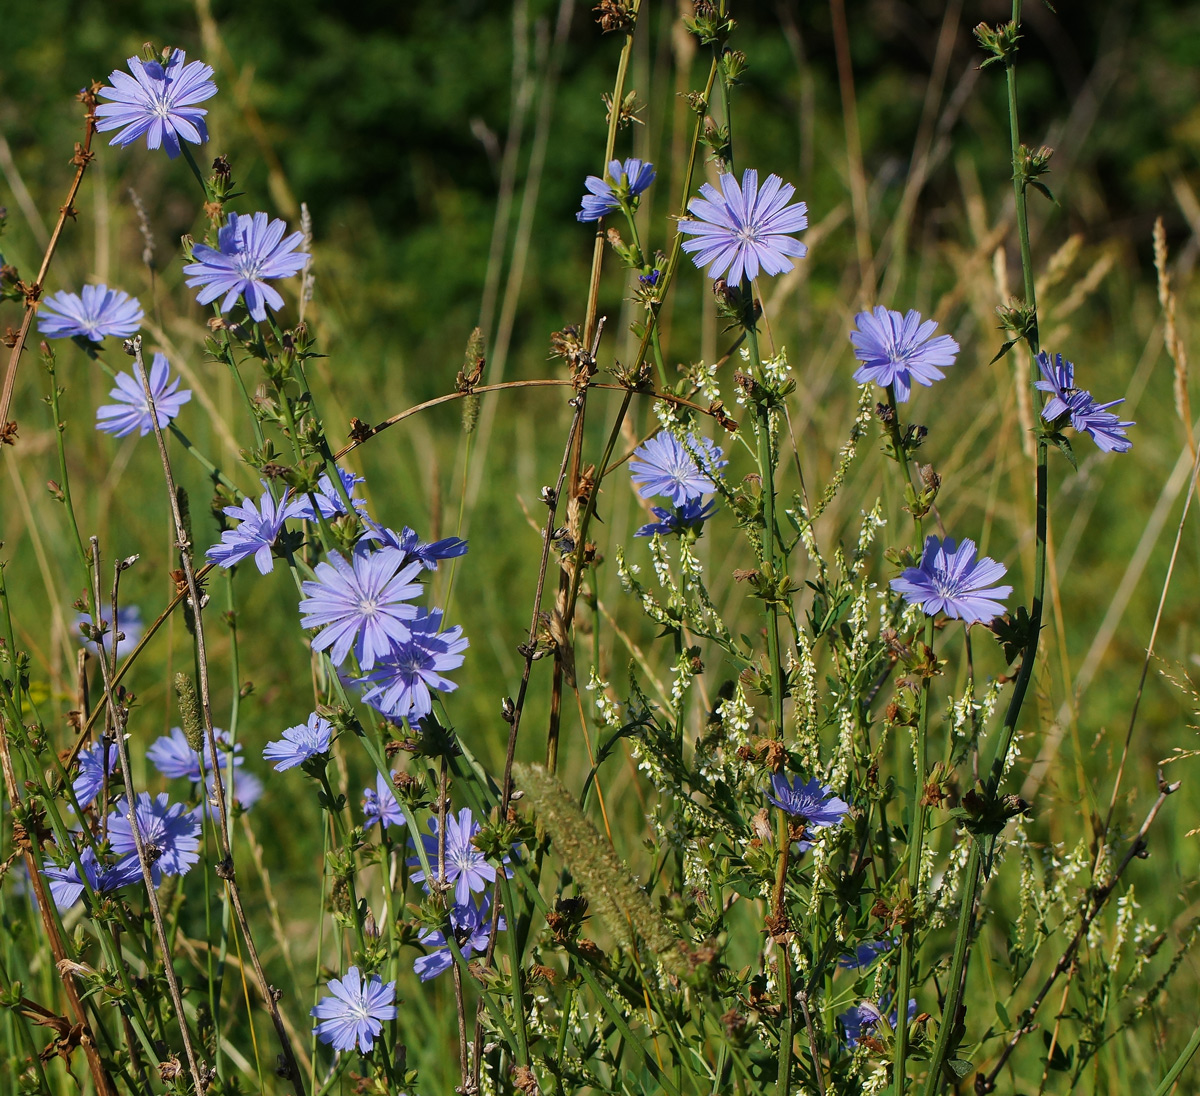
(441, 147)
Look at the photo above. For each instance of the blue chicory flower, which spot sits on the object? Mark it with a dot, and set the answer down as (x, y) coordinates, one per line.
(300, 743)
(249, 251)
(865, 954)
(96, 764)
(244, 790)
(629, 179)
(662, 465)
(157, 102)
(466, 867)
(66, 885)
(472, 927)
(353, 1016)
(132, 411)
(897, 350)
(380, 806)
(257, 530)
(362, 604)
(691, 516)
(329, 500)
(98, 312)
(951, 580)
(810, 801)
(402, 681)
(410, 544)
(738, 229)
(1085, 414)
(171, 755)
(866, 1015)
(170, 828)
(129, 625)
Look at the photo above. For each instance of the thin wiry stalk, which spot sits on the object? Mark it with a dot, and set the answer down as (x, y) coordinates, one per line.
(530, 652)
(196, 1067)
(971, 881)
(512, 291)
(858, 178)
(1137, 700)
(1137, 849)
(100, 1077)
(83, 156)
(539, 382)
(567, 580)
(226, 868)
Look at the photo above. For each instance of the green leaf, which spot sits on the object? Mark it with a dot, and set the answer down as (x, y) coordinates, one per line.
(1005, 349)
(960, 1067)
(1060, 442)
(1002, 1013)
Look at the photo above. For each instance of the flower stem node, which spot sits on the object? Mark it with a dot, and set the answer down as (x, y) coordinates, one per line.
(1032, 164)
(769, 586)
(615, 15)
(708, 24)
(999, 43)
(985, 813)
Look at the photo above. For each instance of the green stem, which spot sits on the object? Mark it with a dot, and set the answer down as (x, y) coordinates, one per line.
(972, 878)
(1167, 1084)
(64, 478)
(916, 845)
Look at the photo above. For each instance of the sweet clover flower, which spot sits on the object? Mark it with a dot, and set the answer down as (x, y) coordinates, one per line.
(96, 764)
(1084, 413)
(362, 604)
(380, 806)
(472, 928)
(172, 756)
(249, 251)
(98, 312)
(257, 530)
(864, 1017)
(466, 867)
(403, 679)
(738, 229)
(129, 624)
(353, 1016)
(157, 102)
(629, 179)
(300, 743)
(897, 350)
(690, 516)
(169, 830)
(663, 466)
(132, 411)
(951, 580)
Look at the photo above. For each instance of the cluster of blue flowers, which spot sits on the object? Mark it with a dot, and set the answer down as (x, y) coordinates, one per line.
(465, 869)
(169, 831)
(668, 467)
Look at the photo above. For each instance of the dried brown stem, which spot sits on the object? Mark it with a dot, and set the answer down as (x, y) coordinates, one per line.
(226, 868)
(538, 382)
(83, 156)
(117, 716)
(100, 1077)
